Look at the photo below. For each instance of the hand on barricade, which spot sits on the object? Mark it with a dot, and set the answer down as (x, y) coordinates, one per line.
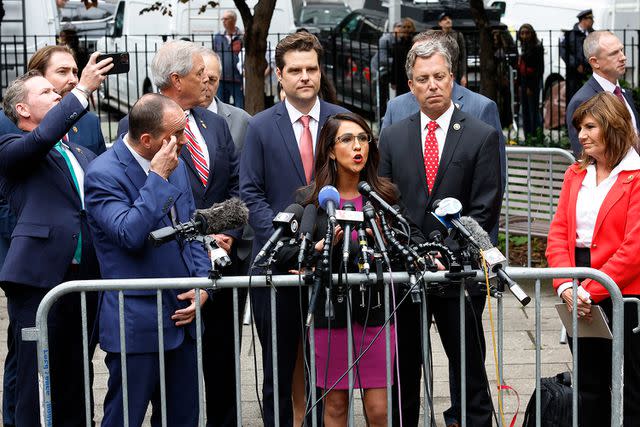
(584, 302)
(186, 315)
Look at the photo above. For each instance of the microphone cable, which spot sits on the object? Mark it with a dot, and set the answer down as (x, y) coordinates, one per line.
(253, 344)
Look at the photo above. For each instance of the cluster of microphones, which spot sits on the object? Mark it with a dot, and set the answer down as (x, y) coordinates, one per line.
(465, 240)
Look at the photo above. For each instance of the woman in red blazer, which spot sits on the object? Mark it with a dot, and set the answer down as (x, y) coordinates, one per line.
(597, 225)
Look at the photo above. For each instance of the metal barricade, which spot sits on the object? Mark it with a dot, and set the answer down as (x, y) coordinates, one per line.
(534, 180)
(40, 332)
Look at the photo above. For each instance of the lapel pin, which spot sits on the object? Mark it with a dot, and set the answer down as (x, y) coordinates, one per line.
(75, 129)
(630, 178)
(456, 126)
(78, 149)
(203, 125)
(457, 105)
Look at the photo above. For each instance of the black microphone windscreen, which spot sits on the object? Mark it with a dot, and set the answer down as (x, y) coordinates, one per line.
(308, 221)
(227, 215)
(477, 232)
(296, 210)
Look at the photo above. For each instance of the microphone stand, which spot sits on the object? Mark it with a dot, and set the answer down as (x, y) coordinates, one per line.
(322, 272)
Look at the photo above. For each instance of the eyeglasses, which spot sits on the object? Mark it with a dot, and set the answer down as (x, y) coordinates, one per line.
(348, 138)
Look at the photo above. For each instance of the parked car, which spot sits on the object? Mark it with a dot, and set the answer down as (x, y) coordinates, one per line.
(354, 41)
(320, 15)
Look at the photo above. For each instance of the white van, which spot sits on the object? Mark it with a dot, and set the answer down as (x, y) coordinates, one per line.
(550, 17)
(141, 35)
(41, 25)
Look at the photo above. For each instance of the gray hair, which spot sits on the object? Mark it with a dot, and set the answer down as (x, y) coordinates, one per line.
(206, 51)
(233, 14)
(175, 56)
(591, 46)
(426, 49)
(448, 41)
(17, 93)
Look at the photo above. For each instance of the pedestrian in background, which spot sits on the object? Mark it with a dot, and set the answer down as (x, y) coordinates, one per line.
(228, 45)
(400, 50)
(530, 71)
(446, 24)
(578, 68)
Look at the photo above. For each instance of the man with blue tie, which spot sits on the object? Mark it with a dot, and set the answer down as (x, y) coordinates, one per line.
(277, 159)
(138, 186)
(41, 175)
(178, 70)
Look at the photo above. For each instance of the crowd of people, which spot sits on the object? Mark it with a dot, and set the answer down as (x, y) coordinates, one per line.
(86, 212)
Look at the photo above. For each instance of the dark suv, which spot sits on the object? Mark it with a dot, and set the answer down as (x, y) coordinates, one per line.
(354, 41)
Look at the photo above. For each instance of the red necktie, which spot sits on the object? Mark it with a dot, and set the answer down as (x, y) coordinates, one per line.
(431, 154)
(196, 154)
(306, 148)
(618, 92)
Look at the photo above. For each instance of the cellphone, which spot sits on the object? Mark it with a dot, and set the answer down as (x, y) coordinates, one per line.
(120, 62)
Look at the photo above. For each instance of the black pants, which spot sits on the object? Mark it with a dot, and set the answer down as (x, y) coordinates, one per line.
(65, 356)
(445, 311)
(218, 356)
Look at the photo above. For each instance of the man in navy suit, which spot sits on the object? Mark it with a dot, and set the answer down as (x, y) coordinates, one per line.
(271, 170)
(138, 186)
(212, 167)
(605, 54)
(41, 175)
(56, 64)
(467, 101)
(441, 152)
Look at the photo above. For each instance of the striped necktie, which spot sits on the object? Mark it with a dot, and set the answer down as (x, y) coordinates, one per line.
(197, 155)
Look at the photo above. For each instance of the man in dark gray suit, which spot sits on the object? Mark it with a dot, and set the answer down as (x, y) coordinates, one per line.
(441, 152)
(236, 118)
(605, 54)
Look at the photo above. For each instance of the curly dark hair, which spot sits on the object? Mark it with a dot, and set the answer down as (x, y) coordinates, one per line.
(326, 171)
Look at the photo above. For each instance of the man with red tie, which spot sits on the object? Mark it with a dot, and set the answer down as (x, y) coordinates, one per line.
(277, 160)
(436, 153)
(605, 54)
(209, 153)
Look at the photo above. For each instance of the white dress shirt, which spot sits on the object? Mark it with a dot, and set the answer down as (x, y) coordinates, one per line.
(441, 132)
(295, 115)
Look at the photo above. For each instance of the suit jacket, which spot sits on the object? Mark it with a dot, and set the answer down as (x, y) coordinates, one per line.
(615, 244)
(589, 89)
(467, 169)
(124, 205)
(271, 167)
(474, 104)
(223, 161)
(39, 187)
(237, 119)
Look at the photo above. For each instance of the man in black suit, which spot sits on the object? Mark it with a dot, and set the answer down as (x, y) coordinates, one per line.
(442, 152)
(572, 54)
(605, 54)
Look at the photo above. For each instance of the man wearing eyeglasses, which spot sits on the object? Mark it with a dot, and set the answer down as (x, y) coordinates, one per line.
(228, 45)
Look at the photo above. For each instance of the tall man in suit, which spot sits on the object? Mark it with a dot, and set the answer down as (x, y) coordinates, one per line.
(41, 175)
(605, 54)
(276, 161)
(138, 186)
(442, 152)
(178, 69)
(58, 66)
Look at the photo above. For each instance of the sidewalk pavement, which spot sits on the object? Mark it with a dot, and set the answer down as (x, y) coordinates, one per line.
(519, 359)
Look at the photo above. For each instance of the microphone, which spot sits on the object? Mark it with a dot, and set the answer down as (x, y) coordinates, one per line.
(447, 211)
(370, 216)
(493, 257)
(328, 199)
(365, 189)
(346, 239)
(227, 215)
(307, 224)
(286, 225)
(363, 263)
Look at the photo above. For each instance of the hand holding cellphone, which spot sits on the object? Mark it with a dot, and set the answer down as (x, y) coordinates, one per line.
(120, 62)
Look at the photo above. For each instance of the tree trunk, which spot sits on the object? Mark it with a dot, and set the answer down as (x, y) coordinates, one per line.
(488, 69)
(256, 28)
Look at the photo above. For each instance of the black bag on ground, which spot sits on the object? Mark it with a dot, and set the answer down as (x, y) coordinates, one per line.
(555, 402)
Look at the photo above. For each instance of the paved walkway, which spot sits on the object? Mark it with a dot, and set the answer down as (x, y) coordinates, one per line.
(519, 359)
